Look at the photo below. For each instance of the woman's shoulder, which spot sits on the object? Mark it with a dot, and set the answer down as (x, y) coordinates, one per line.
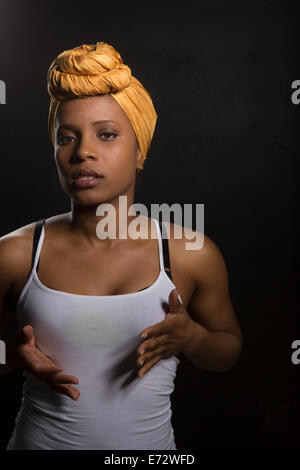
(15, 240)
(15, 254)
(186, 240)
(193, 249)
(16, 246)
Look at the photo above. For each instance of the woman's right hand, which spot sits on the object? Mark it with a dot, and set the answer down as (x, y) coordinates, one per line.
(28, 356)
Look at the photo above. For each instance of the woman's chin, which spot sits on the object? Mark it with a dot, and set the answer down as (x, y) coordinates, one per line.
(83, 199)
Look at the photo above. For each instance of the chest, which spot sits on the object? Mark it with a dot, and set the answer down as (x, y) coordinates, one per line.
(110, 272)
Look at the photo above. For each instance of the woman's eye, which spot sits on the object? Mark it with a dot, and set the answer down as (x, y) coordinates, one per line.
(108, 134)
(61, 138)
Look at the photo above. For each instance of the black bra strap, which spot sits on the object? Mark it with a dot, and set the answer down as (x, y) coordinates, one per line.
(36, 237)
(165, 244)
(166, 257)
(166, 260)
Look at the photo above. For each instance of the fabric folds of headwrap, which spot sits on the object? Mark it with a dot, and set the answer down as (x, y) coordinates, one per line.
(98, 69)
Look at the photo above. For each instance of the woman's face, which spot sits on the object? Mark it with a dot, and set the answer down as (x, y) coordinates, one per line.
(108, 148)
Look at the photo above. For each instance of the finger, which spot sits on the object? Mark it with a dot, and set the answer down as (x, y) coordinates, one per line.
(47, 364)
(175, 304)
(148, 366)
(158, 329)
(38, 362)
(43, 356)
(62, 379)
(163, 351)
(66, 390)
(28, 331)
(51, 369)
(42, 370)
(23, 335)
(151, 344)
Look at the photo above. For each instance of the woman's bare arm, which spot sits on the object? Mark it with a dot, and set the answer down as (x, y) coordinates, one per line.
(9, 258)
(212, 311)
(21, 349)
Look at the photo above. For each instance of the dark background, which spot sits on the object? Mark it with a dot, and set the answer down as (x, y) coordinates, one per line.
(220, 74)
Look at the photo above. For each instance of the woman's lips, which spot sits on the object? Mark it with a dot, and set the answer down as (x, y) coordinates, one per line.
(83, 182)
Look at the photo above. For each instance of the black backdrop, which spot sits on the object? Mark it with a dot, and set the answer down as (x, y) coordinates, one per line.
(220, 75)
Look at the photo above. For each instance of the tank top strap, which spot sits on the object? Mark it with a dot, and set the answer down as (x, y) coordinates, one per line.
(164, 257)
(38, 238)
(163, 248)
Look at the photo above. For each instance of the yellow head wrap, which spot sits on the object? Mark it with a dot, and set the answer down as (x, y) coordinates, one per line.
(98, 69)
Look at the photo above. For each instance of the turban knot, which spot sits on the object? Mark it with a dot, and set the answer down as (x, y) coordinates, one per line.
(98, 69)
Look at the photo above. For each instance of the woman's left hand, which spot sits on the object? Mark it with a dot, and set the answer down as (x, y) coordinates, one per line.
(166, 338)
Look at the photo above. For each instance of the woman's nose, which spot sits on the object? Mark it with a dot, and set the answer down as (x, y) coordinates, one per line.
(85, 149)
(84, 155)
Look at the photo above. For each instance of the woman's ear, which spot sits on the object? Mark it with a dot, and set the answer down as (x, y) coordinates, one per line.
(140, 161)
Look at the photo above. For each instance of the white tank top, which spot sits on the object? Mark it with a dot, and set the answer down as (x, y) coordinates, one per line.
(95, 338)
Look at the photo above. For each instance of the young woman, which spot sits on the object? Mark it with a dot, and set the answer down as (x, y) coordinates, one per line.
(82, 301)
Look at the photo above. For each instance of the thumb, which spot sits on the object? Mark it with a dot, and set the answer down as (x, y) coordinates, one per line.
(25, 335)
(174, 303)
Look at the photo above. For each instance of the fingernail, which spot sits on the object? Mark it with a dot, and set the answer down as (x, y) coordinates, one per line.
(144, 335)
